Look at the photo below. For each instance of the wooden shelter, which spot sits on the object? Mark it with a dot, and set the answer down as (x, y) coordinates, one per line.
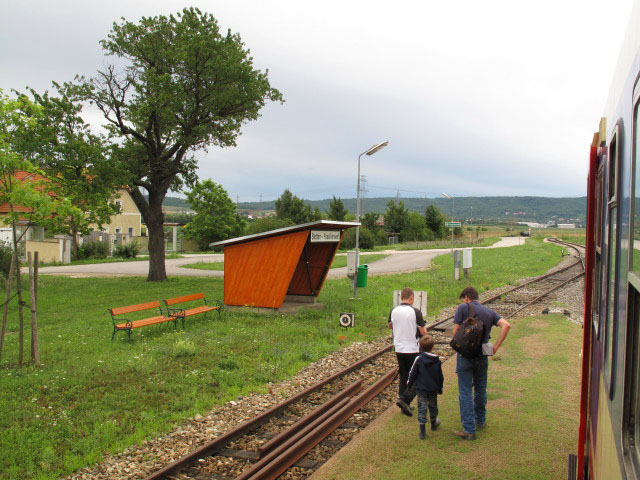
(261, 270)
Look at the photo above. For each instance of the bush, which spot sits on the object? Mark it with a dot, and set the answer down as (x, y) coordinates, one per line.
(93, 250)
(5, 258)
(367, 239)
(127, 250)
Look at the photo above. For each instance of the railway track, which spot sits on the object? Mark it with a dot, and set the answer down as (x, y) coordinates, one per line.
(297, 435)
(521, 297)
(292, 439)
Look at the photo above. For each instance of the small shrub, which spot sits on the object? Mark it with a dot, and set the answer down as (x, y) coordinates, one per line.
(6, 253)
(93, 250)
(184, 348)
(127, 250)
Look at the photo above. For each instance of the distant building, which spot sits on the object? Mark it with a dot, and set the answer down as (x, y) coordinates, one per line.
(566, 225)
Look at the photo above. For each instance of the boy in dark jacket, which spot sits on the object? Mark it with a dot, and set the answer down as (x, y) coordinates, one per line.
(427, 379)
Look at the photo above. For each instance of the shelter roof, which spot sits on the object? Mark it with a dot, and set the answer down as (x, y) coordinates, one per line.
(324, 224)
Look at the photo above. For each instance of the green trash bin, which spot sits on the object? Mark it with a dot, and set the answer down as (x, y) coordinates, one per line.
(362, 275)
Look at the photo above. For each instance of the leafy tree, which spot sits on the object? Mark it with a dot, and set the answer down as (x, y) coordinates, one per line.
(415, 228)
(435, 221)
(396, 217)
(267, 223)
(27, 197)
(336, 210)
(216, 218)
(290, 207)
(369, 220)
(186, 86)
(75, 162)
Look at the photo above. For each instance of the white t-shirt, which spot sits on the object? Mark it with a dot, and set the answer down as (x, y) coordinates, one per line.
(406, 319)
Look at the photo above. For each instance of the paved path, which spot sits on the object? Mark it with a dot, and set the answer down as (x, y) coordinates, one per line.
(396, 262)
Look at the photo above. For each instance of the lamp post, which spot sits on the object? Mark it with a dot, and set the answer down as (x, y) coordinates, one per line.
(368, 152)
(453, 212)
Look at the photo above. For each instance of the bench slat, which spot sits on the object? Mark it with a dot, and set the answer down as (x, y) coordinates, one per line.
(146, 321)
(197, 310)
(135, 308)
(184, 299)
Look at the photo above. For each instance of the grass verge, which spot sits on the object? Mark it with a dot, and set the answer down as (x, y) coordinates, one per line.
(532, 418)
(338, 261)
(94, 396)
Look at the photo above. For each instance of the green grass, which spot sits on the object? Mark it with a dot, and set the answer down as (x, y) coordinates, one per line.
(205, 265)
(95, 396)
(338, 261)
(459, 242)
(89, 261)
(532, 418)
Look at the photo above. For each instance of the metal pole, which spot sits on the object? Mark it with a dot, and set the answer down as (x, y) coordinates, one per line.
(355, 276)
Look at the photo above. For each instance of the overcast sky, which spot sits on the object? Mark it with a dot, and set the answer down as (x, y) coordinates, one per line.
(475, 97)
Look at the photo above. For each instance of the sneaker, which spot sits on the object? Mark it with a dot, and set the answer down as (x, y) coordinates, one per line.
(465, 435)
(405, 408)
(423, 432)
(435, 424)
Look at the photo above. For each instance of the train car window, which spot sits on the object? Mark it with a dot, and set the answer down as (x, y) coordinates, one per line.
(631, 415)
(610, 326)
(598, 280)
(635, 204)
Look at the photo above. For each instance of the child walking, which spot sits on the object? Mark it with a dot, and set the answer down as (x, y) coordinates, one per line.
(426, 376)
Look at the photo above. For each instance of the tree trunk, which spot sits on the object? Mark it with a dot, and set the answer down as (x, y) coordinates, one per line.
(155, 221)
(74, 242)
(18, 288)
(7, 297)
(35, 346)
(153, 216)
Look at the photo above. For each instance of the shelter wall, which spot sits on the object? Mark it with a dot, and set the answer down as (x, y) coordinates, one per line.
(258, 273)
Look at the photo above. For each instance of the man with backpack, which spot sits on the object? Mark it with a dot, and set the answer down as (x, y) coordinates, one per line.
(472, 367)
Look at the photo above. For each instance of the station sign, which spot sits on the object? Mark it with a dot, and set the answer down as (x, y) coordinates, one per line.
(452, 224)
(318, 236)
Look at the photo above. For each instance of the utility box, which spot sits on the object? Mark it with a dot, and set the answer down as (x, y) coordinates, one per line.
(419, 300)
(467, 258)
(351, 264)
(457, 254)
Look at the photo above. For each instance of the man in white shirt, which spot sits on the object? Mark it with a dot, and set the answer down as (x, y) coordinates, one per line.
(408, 326)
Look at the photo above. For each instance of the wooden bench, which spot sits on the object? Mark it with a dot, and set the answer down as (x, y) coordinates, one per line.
(206, 308)
(128, 325)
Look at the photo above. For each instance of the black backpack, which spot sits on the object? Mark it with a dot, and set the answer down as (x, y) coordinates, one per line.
(468, 339)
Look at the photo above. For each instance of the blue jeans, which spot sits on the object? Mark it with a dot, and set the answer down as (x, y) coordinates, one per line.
(472, 375)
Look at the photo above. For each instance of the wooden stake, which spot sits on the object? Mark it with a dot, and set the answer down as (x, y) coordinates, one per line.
(35, 349)
(7, 296)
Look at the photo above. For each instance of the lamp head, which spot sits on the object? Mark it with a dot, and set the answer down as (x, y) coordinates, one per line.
(446, 196)
(377, 147)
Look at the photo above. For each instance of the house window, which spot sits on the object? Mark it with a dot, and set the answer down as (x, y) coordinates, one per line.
(131, 231)
(118, 230)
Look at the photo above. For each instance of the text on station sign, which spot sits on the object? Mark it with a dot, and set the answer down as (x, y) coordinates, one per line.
(325, 236)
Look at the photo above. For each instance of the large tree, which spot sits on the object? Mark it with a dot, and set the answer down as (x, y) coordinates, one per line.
(435, 221)
(75, 161)
(291, 207)
(187, 86)
(396, 217)
(216, 217)
(336, 210)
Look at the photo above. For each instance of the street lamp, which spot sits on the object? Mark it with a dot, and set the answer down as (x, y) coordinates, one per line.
(368, 152)
(453, 212)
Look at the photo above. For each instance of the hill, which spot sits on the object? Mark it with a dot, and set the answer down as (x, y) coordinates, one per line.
(488, 209)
